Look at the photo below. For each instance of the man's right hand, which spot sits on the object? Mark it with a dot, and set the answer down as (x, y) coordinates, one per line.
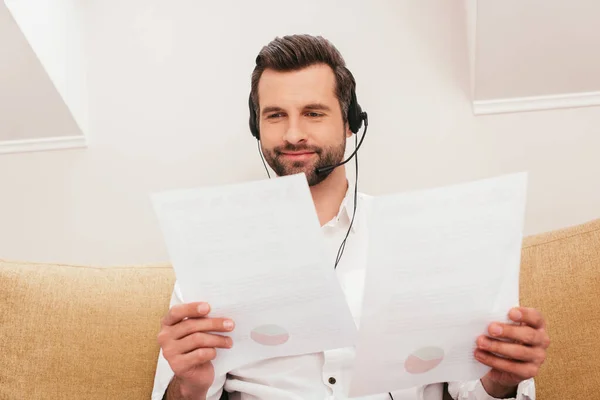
(189, 348)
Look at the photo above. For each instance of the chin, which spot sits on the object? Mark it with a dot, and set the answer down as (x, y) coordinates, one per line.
(284, 169)
(296, 169)
(310, 174)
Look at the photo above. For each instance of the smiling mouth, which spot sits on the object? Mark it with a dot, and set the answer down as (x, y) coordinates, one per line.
(298, 156)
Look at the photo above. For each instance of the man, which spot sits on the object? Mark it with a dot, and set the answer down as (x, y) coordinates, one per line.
(302, 93)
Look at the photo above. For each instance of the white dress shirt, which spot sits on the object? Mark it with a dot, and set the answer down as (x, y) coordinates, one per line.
(321, 376)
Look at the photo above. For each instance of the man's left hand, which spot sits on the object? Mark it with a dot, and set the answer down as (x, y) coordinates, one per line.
(523, 352)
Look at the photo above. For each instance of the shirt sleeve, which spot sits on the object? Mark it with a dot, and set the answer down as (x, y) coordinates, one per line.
(473, 390)
(164, 373)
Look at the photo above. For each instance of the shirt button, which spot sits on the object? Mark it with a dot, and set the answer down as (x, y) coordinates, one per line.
(332, 380)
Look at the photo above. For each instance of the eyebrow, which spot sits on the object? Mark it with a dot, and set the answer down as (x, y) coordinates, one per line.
(271, 109)
(312, 106)
(317, 106)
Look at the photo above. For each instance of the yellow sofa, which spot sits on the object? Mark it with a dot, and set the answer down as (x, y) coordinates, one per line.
(81, 332)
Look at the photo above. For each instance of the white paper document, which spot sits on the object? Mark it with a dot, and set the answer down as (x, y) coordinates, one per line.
(256, 253)
(442, 265)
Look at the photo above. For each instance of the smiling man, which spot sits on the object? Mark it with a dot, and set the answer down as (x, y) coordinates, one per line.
(303, 109)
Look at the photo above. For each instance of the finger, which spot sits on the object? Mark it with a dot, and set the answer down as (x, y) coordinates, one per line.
(200, 340)
(523, 370)
(185, 362)
(529, 316)
(523, 334)
(511, 350)
(192, 325)
(179, 312)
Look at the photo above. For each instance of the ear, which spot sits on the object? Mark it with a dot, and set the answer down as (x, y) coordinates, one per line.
(348, 131)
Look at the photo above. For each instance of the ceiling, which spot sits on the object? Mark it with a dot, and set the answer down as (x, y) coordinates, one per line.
(31, 107)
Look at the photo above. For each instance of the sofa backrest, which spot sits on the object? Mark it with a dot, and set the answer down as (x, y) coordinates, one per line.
(560, 275)
(78, 332)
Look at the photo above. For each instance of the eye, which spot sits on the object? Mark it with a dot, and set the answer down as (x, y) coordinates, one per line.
(276, 115)
(314, 114)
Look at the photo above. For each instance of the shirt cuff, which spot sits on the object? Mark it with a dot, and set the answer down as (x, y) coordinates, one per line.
(473, 390)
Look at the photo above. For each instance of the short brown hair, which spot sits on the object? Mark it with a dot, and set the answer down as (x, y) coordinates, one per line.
(295, 52)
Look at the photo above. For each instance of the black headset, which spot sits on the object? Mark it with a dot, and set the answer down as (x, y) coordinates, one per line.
(356, 116)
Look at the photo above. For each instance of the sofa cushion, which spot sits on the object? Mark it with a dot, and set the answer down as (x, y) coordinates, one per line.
(560, 275)
(72, 332)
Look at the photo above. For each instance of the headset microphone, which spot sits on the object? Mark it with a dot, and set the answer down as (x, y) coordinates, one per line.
(329, 168)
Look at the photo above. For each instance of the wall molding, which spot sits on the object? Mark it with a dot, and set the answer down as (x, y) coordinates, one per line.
(42, 144)
(522, 104)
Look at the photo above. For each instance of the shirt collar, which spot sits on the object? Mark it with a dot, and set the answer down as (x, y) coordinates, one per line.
(347, 209)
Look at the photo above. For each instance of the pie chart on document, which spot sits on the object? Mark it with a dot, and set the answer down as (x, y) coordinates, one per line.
(424, 360)
(269, 335)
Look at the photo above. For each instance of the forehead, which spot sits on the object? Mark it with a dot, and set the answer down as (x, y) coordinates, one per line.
(310, 84)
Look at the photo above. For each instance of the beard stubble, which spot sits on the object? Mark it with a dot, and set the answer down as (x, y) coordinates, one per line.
(324, 156)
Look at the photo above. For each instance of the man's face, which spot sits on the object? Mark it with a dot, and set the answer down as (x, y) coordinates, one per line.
(301, 124)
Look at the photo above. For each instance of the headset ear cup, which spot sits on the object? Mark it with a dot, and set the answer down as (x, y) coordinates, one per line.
(252, 119)
(354, 114)
(359, 118)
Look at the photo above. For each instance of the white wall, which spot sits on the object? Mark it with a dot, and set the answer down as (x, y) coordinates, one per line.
(168, 85)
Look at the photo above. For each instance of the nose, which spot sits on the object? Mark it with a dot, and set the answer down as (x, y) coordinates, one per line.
(294, 133)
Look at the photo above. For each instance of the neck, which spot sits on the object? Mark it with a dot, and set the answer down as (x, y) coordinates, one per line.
(329, 194)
